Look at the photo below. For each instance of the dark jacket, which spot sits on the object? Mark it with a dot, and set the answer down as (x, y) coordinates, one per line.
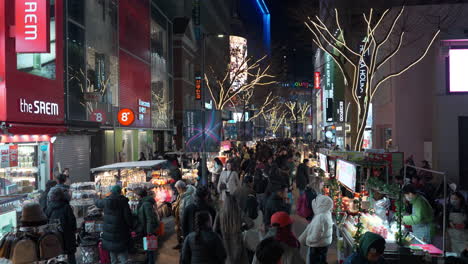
(148, 220)
(43, 200)
(302, 176)
(188, 219)
(360, 257)
(241, 194)
(117, 222)
(275, 204)
(208, 249)
(58, 208)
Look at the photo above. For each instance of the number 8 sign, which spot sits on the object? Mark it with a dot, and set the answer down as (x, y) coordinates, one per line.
(126, 117)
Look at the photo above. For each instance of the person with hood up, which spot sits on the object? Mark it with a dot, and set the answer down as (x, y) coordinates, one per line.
(203, 245)
(201, 203)
(184, 198)
(371, 249)
(43, 198)
(118, 222)
(148, 220)
(318, 235)
(59, 209)
(281, 231)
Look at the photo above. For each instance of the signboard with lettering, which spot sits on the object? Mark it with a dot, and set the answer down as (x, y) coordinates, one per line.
(98, 116)
(4, 158)
(198, 83)
(38, 107)
(32, 28)
(341, 110)
(13, 155)
(317, 80)
(143, 109)
(361, 89)
(126, 117)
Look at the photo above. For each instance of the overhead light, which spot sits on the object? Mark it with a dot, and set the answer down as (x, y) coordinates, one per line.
(220, 35)
(52, 139)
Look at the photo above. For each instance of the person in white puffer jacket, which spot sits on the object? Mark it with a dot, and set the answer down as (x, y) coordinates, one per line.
(318, 235)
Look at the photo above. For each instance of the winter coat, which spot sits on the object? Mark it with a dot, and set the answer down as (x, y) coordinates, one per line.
(208, 249)
(148, 220)
(64, 188)
(422, 212)
(319, 232)
(360, 257)
(118, 222)
(60, 209)
(242, 194)
(231, 179)
(188, 220)
(275, 204)
(186, 199)
(290, 255)
(175, 173)
(43, 200)
(302, 176)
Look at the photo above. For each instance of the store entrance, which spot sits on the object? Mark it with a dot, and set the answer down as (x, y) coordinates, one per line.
(463, 148)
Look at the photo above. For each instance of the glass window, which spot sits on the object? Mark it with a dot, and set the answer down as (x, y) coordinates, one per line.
(76, 10)
(76, 72)
(41, 64)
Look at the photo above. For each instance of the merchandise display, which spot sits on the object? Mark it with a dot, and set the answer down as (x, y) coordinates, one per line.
(83, 195)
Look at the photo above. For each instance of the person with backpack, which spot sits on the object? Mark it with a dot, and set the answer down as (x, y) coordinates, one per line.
(319, 233)
(201, 203)
(59, 209)
(148, 220)
(203, 245)
(118, 221)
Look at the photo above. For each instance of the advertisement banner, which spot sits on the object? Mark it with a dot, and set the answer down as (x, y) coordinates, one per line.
(193, 124)
(238, 53)
(4, 157)
(32, 29)
(13, 155)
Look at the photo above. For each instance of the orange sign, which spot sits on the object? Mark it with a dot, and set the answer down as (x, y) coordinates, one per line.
(198, 83)
(126, 117)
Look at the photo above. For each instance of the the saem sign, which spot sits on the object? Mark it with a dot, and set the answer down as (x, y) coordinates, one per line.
(32, 29)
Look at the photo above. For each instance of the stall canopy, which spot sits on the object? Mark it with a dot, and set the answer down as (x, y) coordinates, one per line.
(147, 164)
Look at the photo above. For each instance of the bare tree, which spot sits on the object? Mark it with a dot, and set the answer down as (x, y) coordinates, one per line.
(351, 61)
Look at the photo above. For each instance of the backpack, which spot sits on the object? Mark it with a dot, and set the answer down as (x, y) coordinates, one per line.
(50, 246)
(24, 252)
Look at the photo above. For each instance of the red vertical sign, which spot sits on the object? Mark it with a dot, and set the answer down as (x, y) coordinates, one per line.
(317, 80)
(32, 27)
(13, 155)
(198, 88)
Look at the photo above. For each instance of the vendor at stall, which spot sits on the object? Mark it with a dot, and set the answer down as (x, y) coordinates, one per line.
(422, 214)
(371, 249)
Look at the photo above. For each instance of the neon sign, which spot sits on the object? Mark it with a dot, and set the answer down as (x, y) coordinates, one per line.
(32, 26)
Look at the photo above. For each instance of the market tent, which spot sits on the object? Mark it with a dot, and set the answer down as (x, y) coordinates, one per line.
(146, 164)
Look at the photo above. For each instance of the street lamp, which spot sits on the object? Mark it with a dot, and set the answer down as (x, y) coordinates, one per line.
(204, 36)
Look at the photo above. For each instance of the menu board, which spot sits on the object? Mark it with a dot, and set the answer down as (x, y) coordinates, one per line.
(323, 162)
(346, 174)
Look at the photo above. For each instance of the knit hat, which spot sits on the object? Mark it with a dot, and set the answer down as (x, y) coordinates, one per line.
(117, 189)
(281, 218)
(32, 215)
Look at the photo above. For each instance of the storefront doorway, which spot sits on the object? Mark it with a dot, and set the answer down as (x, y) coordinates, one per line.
(463, 148)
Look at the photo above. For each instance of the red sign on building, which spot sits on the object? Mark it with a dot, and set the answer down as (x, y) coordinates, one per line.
(198, 88)
(317, 80)
(32, 27)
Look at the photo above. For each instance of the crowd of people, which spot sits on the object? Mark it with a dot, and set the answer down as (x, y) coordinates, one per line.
(243, 213)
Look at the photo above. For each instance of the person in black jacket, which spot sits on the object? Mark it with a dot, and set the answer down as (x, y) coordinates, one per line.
(43, 198)
(302, 176)
(276, 203)
(59, 209)
(118, 221)
(202, 197)
(148, 220)
(203, 246)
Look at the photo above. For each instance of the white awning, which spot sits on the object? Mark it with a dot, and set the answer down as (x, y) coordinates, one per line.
(146, 164)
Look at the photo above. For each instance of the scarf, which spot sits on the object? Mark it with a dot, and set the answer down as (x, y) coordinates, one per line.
(286, 236)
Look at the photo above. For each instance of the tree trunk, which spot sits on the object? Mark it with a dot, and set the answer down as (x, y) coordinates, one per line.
(361, 126)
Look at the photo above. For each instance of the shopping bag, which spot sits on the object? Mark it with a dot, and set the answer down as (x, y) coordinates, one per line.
(160, 230)
(104, 256)
(302, 206)
(150, 243)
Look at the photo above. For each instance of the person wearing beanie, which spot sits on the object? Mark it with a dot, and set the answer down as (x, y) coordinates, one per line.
(59, 209)
(370, 250)
(118, 221)
(148, 220)
(318, 235)
(281, 231)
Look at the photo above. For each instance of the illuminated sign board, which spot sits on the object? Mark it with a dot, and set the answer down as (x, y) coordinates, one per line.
(142, 109)
(361, 89)
(341, 111)
(457, 77)
(238, 66)
(32, 29)
(39, 107)
(317, 80)
(126, 117)
(198, 88)
(296, 84)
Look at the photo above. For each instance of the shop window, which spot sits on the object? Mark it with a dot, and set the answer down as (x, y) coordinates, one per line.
(41, 64)
(76, 9)
(76, 72)
(24, 167)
